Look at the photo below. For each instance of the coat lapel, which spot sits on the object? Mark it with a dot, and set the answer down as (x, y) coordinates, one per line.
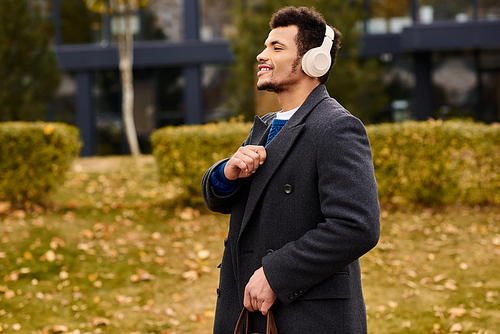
(277, 149)
(259, 132)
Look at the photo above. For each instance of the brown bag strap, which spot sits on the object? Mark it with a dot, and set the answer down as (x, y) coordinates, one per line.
(271, 324)
(239, 324)
(270, 327)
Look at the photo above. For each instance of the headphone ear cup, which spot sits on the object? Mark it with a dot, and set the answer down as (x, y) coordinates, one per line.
(316, 62)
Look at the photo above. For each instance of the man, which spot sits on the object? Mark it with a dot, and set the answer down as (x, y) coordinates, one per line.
(302, 196)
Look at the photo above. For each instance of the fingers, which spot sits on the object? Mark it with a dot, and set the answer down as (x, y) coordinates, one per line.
(252, 303)
(258, 294)
(249, 303)
(245, 162)
(255, 303)
(266, 305)
(250, 158)
(260, 150)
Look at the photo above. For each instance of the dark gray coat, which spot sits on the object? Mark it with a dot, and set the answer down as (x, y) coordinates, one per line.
(307, 215)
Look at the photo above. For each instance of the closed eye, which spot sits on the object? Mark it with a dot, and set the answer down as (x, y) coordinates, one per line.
(276, 45)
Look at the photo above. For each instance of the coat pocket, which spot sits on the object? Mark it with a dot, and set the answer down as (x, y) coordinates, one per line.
(336, 286)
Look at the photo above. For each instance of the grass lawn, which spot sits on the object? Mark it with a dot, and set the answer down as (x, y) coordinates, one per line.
(110, 258)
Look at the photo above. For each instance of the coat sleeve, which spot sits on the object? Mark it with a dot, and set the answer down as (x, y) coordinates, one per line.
(349, 203)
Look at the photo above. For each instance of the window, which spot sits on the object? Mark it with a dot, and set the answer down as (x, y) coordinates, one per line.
(171, 97)
(216, 21)
(444, 10)
(62, 108)
(388, 16)
(455, 84)
(106, 92)
(163, 20)
(489, 9)
(213, 83)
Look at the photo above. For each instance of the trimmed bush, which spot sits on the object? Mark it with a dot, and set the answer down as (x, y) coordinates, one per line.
(436, 162)
(33, 160)
(184, 153)
(416, 163)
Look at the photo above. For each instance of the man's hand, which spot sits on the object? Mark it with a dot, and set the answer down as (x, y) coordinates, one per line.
(245, 162)
(258, 293)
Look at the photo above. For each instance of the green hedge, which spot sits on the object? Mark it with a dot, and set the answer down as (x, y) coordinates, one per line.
(33, 160)
(416, 163)
(437, 162)
(184, 153)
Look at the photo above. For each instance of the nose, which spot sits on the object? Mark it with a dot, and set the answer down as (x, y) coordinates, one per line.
(262, 57)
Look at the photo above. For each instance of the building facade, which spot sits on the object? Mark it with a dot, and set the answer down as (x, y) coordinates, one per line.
(180, 60)
(441, 57)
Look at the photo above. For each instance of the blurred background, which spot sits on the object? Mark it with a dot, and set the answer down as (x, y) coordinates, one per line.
(118, 243)
(194, 62)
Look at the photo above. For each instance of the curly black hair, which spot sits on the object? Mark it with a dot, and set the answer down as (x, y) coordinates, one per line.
(312, 28)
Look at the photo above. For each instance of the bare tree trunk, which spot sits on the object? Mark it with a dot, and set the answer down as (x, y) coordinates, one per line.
(126, 60)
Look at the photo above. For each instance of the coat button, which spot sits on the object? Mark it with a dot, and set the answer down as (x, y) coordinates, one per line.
(269, 251)
(291, 297)
(218, 292)
(287, 188)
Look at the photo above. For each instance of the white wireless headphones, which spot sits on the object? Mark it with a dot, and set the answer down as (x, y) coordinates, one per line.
(316, 62)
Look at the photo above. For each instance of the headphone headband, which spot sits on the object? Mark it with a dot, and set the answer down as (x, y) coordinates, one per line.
(329, 33)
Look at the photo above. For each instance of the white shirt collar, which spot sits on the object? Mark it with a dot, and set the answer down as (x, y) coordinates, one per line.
(286, 114)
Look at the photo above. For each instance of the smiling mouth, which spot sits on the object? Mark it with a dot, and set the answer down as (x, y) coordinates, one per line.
(263, 69)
